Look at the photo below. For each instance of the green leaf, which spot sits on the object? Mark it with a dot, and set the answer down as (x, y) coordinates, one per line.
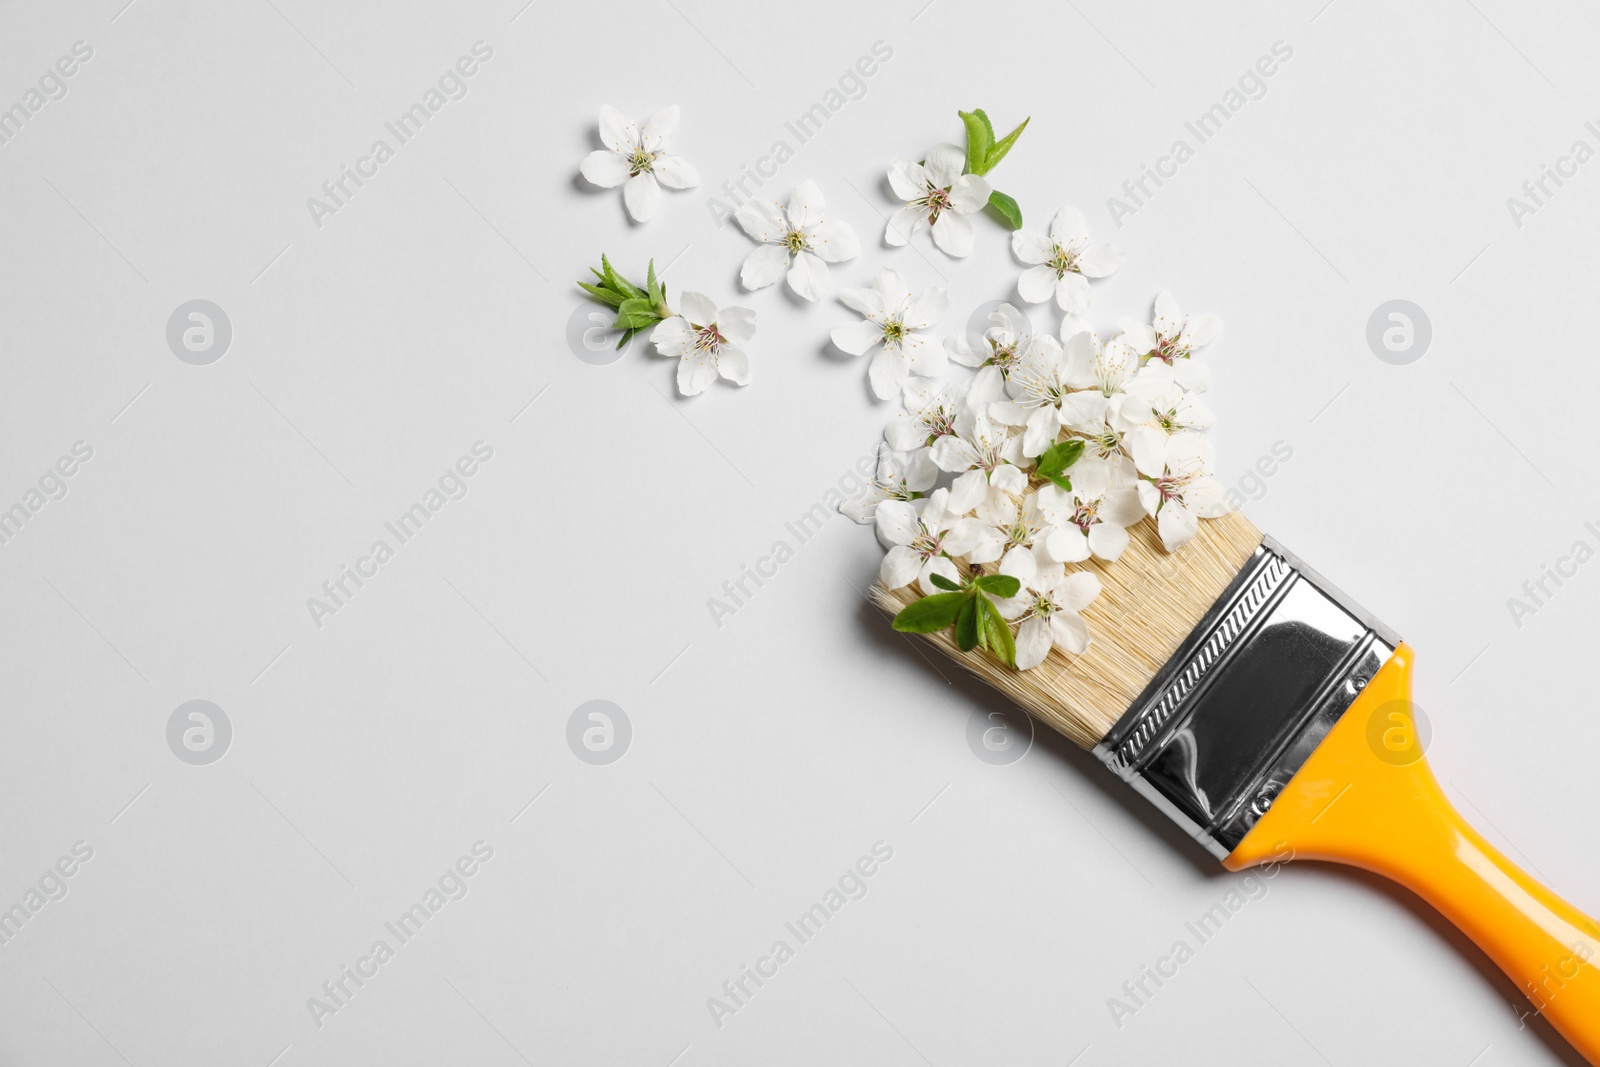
(930, 613)
(980, 140)
(944, 583)
(617, 282)
(1059, 456)
(1063, 484)
(653, 287)
(1006, 208)
(966, 622)
(1002, 146)
(635, 313)
(1001, 585)
(997, 632)
(605, 296)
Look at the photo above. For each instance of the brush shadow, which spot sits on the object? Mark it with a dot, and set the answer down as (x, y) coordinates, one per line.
(1058, 749)
(1446, 931)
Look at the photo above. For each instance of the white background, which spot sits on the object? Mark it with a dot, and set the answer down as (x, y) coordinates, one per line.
(767, 754)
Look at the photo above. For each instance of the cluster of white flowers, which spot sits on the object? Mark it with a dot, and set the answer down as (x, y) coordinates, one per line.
(969, 478)
(995, 492)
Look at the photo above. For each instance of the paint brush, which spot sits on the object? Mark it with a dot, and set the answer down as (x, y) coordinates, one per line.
(1270, 717)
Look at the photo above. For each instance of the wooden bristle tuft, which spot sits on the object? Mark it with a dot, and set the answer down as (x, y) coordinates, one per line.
(1149, 602)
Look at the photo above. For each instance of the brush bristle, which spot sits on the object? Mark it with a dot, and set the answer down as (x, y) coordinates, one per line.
(1149, 602)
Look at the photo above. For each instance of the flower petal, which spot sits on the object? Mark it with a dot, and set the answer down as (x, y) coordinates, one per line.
(1069, 631)
(1033, 643)
(657, 126)
(809, 276)
(953, 234)
(943, 165)
(940, 566)
(734, 365)
(763, 220)
(604, 168)
(925, 310)
(969, 194)
(892, 288)
(834, 242)
(868, 302)
(737, 325)
(806, 205)
(901, 566)
(643, 196)
(1068, 227)
(897, 522)
(1097, 261)
(695, 372)
(764, 266)
(903, 225)
(907, 179)
(1030, 247)
(618, 132)
(856, 337)
(675, 172)
(886, 371)
(1107, 540)
(697, 308)
(1073, 294)
(1037, 284)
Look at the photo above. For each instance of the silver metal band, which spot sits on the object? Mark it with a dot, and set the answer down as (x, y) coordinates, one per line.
(1246, 698)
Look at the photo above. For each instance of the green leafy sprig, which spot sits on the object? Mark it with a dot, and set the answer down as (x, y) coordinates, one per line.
(637, 308)
(983, 152)
(969, 607)
(1056, 459)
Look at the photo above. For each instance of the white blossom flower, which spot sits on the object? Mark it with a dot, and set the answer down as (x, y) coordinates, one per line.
(922, 541)
(799, 231)
(1177, 485)
(1172, 340)
(892, 317)
(1007, 342)
(1111, 370)
(1016, 527)
(707, 342)
(1091, 519)
(1156, 398)
(1047, 605)
(930, 413)
(637, 159)
(985, 460)
(939, 196)
(1065, 262)
(900, 476)
(1038, 389)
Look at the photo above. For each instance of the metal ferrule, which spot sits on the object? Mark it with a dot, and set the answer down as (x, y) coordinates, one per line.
(1247, 697)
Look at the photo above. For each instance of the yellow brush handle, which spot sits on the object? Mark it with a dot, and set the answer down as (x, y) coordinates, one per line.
(1367, 798)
